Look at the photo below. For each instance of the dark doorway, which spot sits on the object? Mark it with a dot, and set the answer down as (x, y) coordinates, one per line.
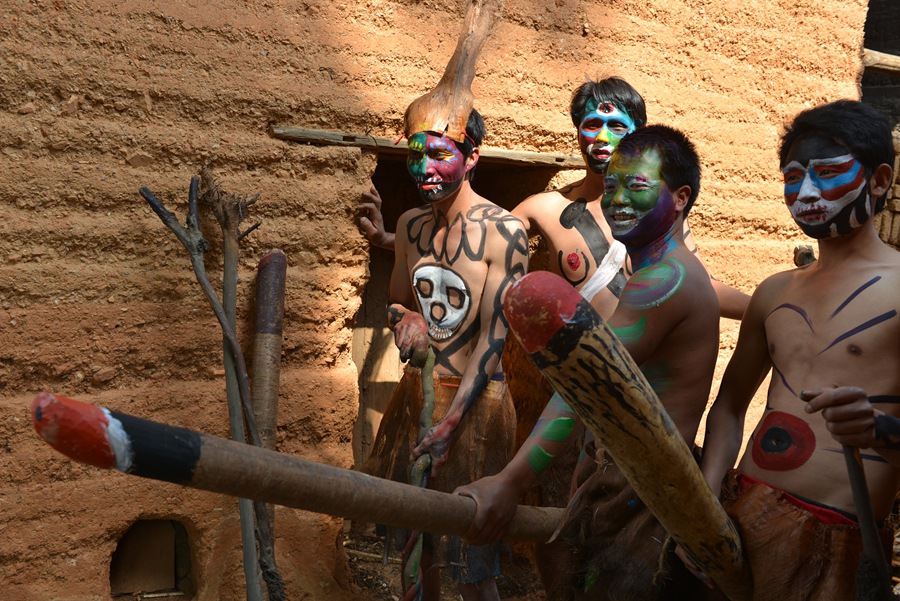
(152, 558)
(882, 34)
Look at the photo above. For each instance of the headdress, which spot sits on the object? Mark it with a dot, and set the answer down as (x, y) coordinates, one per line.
(446, 108)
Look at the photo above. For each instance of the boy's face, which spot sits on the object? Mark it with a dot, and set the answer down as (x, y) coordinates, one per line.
(825, 188)
(599, 133)
(436, 165)
(636, 201)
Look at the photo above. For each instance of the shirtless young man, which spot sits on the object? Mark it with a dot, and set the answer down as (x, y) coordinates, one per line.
(569, 219)
(667, 320)
(455, 257)
(830, 333)
(571, 223)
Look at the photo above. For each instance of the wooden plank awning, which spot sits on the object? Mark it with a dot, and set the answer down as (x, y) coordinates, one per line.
(520, 158)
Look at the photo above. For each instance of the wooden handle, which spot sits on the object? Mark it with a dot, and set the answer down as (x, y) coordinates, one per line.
(594, 373)
(270, 284)
(109, 439)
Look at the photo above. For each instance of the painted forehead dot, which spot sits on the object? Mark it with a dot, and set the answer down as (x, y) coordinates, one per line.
(607, 107)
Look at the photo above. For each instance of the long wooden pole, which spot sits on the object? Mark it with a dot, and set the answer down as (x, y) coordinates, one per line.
(486, 154)
(270, 284)
(112, 440)
(594, 373)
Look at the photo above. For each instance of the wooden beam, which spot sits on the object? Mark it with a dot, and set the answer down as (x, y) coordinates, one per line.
(881, 62)
(519, 158)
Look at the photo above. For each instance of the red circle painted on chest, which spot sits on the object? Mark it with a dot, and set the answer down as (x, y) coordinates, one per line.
(783, 442)
(574, 261)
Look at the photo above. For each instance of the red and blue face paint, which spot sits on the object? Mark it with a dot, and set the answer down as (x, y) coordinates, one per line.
(599, 133)
(436, 165)
(827, 197)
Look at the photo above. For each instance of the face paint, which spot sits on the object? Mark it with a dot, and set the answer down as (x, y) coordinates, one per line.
(825, 188)
(436, 165)
(599, 133)
(636, 202)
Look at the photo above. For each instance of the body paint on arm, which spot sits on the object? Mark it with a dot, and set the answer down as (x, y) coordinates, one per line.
(556, 430)
(653, 285)
(633, 333)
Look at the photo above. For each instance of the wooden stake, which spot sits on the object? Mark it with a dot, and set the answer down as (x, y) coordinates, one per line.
(499, 156)
(881, 62)
(270, 283)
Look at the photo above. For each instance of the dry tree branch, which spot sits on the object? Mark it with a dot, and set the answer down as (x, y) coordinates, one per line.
(192, 239)
(228, 211)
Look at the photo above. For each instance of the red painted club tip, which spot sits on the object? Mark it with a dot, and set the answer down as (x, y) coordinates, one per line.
(274, 255)
(73, 428)
(537, 306)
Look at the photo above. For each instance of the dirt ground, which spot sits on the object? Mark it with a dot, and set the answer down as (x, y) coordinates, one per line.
(365, 551)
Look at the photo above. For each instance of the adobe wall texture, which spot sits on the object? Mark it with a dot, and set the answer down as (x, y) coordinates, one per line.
(97, 300)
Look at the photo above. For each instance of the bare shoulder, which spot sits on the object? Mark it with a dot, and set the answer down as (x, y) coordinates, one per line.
(415, 213)
(537, 206)
(414, 218)
(771, 292)
(490, 214)
(677, 280)
(890, 261)
(412, 225)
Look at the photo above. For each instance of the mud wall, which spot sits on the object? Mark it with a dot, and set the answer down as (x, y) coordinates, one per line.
(97, 300)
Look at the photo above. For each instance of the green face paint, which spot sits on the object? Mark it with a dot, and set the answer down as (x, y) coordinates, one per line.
(637, 203)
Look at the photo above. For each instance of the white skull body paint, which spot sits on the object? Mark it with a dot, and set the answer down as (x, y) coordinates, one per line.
(443, 297)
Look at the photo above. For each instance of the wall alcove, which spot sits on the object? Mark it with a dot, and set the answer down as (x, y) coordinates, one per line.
(152, 560)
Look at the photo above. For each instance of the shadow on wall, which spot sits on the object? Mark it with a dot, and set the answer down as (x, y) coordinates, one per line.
(882, 90)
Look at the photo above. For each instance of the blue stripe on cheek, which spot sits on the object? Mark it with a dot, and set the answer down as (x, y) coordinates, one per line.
(837, 181)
